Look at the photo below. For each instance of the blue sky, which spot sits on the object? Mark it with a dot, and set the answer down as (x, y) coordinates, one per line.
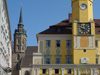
(38, 15)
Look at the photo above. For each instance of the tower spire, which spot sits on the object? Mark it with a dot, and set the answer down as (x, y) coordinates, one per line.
(21, 18)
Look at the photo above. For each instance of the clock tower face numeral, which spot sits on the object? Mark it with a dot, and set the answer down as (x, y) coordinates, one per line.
(84, 28)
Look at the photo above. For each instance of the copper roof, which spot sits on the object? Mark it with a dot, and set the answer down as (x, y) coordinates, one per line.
(27, 60)
(66, 27)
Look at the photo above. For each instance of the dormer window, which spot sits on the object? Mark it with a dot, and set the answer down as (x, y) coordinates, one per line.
(59, 30)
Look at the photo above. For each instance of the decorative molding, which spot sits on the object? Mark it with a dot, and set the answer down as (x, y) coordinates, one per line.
(57, 51)
(68, 66)
(54, 37)
(91, 42)
(47, 51)
(68, 51)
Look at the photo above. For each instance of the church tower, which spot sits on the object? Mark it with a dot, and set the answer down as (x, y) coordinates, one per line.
(83, 31)
(20, 36)
(20, 39)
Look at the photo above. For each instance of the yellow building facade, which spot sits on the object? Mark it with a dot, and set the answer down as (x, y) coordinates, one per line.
(71, 47)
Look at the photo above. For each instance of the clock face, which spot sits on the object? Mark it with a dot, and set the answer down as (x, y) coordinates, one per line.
(83, 6)
(84, 28)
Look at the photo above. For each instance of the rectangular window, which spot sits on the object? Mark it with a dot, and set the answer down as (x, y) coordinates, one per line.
(57, 43)
(48, 43)
(44, 71)
(68, 43)
(68, 60)
(57, 60)
(69, 71)
(96, 60)
(96, 43)
(47, 60)
(56, 71)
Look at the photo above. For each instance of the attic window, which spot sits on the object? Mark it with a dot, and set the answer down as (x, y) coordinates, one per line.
(59, 30)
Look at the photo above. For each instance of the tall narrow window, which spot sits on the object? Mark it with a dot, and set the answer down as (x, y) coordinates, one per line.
(44, 71)
(56, 71)
(68, 60)
(96, 60)
(18, 57)
(57, 60)
(68, 43)
(48, 43)
(57, 43)
(47, 60)
(69, 71)
(96, 43)
(18, 47)
(18, 41)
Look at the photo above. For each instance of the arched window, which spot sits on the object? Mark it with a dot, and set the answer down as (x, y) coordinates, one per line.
(27, 73)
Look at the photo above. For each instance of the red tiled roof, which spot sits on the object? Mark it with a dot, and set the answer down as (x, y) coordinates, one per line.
(66, 27)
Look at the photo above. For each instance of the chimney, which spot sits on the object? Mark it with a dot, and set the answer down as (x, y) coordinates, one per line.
(70, 17)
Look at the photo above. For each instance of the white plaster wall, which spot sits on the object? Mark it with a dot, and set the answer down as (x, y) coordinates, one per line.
(5, 42)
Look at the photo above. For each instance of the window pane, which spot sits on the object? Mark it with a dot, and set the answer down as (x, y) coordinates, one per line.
(56, 71)
(68, 60)
(69, 71)
(48, 43)
(96, 43)
(47, 60)
(68, 43)
(96, 60)
(57, 60)
(58, 43)
(44, 71)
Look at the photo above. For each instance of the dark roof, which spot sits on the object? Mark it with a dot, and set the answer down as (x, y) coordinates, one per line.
(27, 60)
(66, 27)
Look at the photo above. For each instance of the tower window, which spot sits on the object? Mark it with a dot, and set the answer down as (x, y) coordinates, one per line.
(18, 41)
(57, 43)
(57, 60)
(96, 43)
(18, 47)
(47, 60)
(68, 43)
(44, 71)
(56, 71)
(18, 57)
(48, 43)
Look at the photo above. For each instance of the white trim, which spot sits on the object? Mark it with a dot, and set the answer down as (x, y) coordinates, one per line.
(55, 37)
(50, 71)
